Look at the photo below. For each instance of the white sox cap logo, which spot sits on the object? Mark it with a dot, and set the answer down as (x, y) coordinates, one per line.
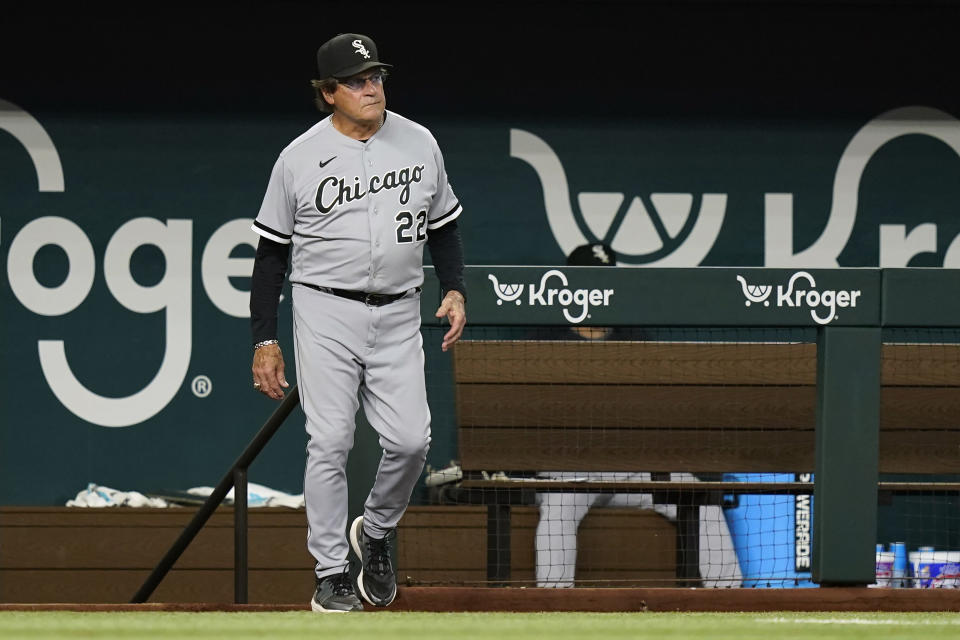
(600, 254)
(362, 50)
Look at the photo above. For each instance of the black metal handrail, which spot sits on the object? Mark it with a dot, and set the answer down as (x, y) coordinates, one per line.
(236, 478)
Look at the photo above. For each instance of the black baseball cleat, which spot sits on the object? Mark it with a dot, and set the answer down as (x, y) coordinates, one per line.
(377, 581)
(335, 594)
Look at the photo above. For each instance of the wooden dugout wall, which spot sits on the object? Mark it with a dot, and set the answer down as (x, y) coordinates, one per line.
(699, 407)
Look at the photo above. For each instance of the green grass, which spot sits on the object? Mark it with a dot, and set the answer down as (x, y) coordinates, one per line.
(466, 626)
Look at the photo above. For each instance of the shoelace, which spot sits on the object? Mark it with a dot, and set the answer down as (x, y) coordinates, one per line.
(378, 555)
(341, 583)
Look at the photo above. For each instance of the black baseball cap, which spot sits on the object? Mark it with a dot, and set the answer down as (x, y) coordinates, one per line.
(347, 54)
(592, 254)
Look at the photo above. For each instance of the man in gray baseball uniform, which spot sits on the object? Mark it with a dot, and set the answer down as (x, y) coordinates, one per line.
(356, 197)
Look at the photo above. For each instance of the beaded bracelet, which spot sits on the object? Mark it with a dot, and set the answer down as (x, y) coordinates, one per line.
(264, 343)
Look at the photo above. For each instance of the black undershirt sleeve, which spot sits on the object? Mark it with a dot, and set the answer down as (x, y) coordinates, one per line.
(446, 251)
(269, 270)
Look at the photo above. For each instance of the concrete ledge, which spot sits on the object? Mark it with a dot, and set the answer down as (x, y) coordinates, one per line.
(446, 599)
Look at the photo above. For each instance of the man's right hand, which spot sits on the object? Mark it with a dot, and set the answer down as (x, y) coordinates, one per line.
(268, 376)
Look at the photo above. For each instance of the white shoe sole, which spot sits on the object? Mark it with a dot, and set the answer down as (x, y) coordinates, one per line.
(319, 609)
(356, 529)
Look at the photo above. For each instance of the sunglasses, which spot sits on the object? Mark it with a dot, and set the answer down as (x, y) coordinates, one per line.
(357, 83)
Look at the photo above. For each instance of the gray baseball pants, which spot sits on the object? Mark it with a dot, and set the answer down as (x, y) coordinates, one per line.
(561, 513)
(346, 352)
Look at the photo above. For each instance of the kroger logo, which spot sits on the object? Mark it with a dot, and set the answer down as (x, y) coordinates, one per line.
(793, 296)
(661, 229)
(580, 299)
(173, 294)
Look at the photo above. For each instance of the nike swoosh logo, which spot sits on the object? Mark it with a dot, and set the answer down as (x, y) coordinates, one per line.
(323, 164)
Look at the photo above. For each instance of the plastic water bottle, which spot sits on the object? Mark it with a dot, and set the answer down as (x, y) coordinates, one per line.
(898, 579)
(919, 566)
(884, 567)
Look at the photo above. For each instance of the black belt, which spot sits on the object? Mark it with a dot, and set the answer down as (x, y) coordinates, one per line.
(371, 299)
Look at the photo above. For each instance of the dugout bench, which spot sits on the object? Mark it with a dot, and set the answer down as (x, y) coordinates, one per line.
(525, 406)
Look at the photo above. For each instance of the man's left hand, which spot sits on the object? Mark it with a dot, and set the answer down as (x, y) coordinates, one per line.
(453, 309)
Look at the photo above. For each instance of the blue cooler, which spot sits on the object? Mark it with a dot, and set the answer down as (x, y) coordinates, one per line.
(772, 534)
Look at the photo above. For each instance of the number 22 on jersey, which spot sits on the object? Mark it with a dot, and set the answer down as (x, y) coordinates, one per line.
(405, 227)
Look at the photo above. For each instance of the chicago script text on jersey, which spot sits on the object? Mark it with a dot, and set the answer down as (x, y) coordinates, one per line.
(334, 191)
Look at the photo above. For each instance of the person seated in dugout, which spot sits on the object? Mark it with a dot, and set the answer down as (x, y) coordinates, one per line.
(561, 512)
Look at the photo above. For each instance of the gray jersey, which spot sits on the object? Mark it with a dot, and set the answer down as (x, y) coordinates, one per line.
(358, 213)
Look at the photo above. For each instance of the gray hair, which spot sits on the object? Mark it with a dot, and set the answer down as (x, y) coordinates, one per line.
(330, 85)
(319, 86)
